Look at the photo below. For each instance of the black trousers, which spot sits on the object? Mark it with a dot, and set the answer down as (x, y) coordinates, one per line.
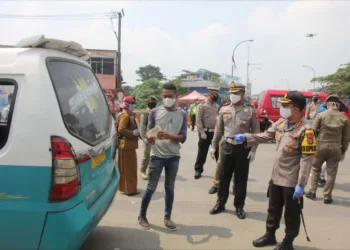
(234, 160)
(203, 147)
(193, 120)
(279, 197)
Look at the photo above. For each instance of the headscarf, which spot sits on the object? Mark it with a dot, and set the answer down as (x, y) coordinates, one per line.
(127, 101)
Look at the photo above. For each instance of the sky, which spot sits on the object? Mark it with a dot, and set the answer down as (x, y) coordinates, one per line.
(177, 35)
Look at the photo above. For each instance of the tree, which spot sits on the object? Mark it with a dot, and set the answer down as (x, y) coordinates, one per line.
(146, 89)
(129, 90)
(149, 72)
(337, 83)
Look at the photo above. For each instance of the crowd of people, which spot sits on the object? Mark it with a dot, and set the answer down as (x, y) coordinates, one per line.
(231, 134)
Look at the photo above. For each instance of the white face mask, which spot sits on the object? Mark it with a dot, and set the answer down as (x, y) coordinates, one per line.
(168, 102)
(235, 98)
(132, 107)
(285, 112)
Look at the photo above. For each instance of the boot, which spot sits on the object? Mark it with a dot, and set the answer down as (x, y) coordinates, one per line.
(213, 190)
(268, 239)
(286, 244)
(310, 195)
(217, 209)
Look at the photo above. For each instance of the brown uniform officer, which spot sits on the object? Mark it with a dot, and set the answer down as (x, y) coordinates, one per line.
(238, 118)
(312, 107)
(333, 141)
(152, 103)
(205, 120)
(296, 146)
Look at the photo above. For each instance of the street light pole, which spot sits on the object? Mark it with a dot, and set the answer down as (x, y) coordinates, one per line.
(233, 53)
(305, 66)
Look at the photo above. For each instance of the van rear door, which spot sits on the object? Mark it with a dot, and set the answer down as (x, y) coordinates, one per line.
(86, 116)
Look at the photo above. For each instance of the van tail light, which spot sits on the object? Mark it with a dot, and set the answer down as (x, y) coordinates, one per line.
(65, 179)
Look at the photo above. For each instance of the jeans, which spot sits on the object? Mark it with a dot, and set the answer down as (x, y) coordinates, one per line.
(171, 166)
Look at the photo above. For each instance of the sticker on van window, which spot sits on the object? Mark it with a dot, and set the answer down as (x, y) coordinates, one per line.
(85, 96)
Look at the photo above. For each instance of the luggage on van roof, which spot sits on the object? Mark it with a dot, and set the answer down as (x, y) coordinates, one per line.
(40, 41)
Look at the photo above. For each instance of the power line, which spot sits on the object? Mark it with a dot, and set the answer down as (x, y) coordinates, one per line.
(83, 16)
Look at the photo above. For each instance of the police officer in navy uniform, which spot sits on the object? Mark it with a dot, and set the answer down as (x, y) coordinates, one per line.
(236, 118)
(296, 146)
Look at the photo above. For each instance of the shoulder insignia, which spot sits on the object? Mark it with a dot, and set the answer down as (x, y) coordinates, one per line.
(308, 143)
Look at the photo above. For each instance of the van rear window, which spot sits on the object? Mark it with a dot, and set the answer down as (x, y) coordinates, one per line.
(82, 103)
(274, 102)
(7, 100)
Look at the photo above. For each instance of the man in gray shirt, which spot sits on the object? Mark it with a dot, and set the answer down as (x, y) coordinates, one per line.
(165, 152)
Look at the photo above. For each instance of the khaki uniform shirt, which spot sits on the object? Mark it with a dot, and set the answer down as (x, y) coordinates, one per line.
(333, 127)
(311, 110)
(126, 126)
(234, 121)
(144, 121)
(291, 166)
(206, 116)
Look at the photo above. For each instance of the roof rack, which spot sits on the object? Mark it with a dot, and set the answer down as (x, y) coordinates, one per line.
(39, 41)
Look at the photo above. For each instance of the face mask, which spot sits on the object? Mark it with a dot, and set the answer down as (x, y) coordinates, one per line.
(235, 98)
(151, 105)
(169, 102)
(132, 107)
(285, 112)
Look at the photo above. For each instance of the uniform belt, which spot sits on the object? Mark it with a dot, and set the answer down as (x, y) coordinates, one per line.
(209, 129)
(231, 141)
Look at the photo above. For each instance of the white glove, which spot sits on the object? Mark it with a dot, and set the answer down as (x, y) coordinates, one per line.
(145, 140)
(203, 136)
(136, 132)
(342, 157)
(212, 153)
(251, 156)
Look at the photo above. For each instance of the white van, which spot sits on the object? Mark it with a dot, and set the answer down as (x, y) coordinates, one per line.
(58, 174)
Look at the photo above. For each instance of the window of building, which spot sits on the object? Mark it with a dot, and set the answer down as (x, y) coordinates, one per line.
(102, 65)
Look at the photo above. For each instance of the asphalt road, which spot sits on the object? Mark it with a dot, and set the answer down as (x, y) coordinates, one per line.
(327, 225)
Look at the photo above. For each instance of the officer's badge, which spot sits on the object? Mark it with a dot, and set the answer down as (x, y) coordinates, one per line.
(298, 124)
(308, 144)
(310, 138)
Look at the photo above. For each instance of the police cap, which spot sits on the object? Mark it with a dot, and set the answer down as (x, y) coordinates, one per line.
(295, 98)
(152, 99)
(213, 89)
(236, 87)
(332, 98)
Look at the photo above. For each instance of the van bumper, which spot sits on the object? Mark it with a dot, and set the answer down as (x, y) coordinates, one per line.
(69, 229)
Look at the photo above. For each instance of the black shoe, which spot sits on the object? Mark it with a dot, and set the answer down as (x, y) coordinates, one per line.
(240, 213)
(321, 183)
(217, 209)
(285, 245)
(310, 195)
(213, 190)
(267, 239)
(327, 200)
(198, 174)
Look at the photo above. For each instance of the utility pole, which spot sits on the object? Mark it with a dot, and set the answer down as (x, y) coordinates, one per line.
(118, 74)
(119, 80)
